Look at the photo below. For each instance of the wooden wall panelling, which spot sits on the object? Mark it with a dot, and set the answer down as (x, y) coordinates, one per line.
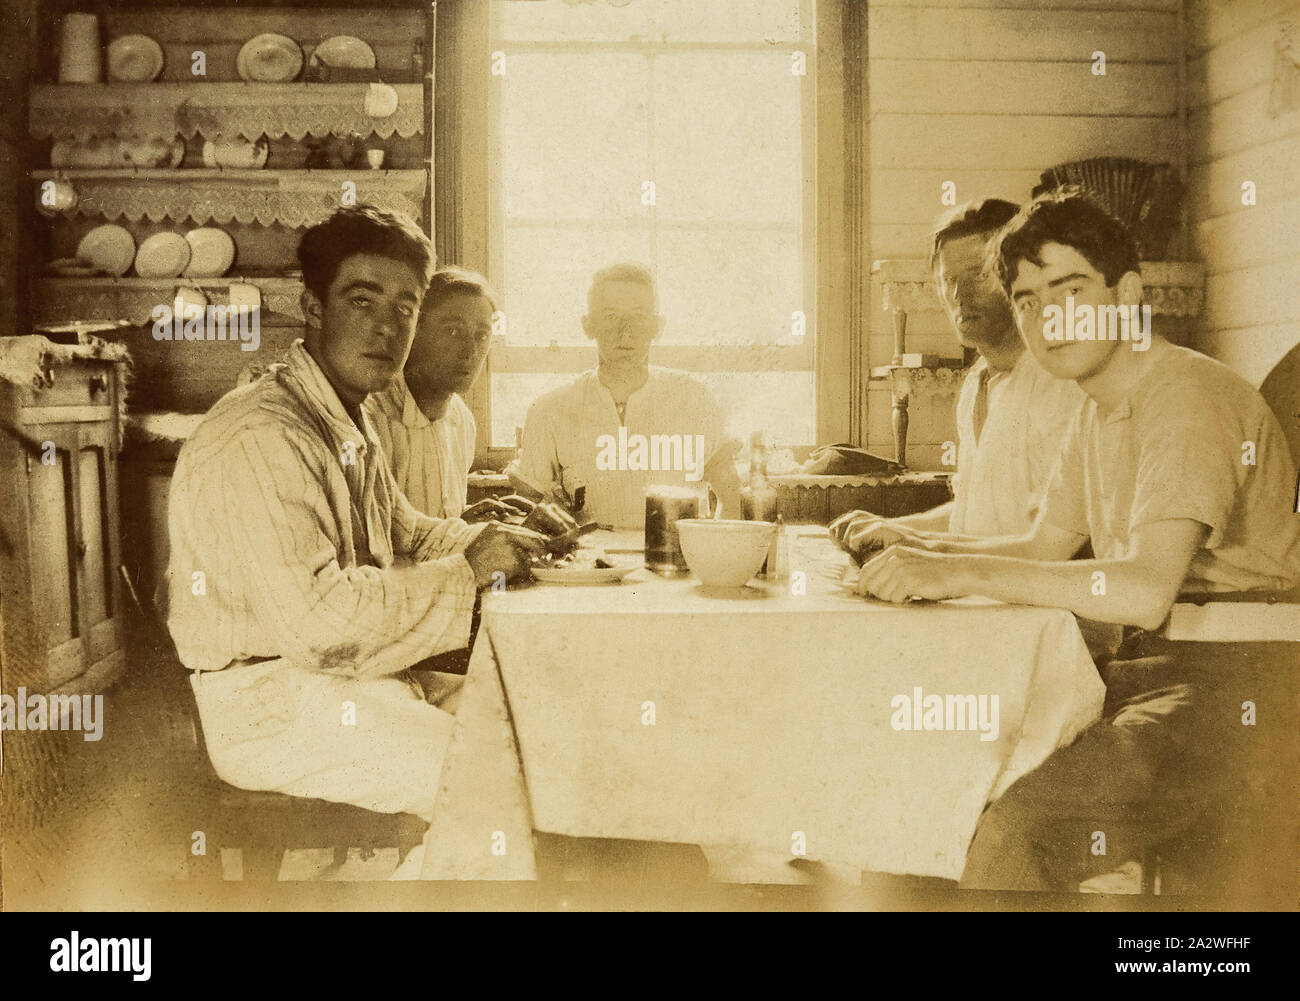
(1251, 254)
(987, 94)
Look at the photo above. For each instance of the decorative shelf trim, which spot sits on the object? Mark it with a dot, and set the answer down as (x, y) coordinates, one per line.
(290, 198)
(816, 481)
(1173, 288)
(932, 381)
(229, 110)
(61, 300)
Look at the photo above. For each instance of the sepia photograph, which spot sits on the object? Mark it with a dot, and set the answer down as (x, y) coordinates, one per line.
(650, 455)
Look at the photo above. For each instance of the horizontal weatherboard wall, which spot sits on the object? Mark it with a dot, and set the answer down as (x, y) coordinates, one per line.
(987, 94)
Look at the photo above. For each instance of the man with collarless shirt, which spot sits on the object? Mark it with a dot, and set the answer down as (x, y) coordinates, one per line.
(1011, 414)
(563, 431)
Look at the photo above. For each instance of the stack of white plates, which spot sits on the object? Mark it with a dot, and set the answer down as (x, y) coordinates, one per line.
(269, 58)
(236, 154)
(150, 152)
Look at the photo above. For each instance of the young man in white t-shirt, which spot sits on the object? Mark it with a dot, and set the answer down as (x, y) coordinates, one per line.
(1180, 476)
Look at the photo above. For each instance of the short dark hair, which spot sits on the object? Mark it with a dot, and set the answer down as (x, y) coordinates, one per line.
(450, 280)
(361, 229)
(982, 217)
(1071, 218)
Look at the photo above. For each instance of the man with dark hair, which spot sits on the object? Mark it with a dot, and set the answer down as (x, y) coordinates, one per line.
(1010, 414)
(1179, 475)
(427, 432)
(303, 583)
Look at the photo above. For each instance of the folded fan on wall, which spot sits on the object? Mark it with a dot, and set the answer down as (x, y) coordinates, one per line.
(1146, 197)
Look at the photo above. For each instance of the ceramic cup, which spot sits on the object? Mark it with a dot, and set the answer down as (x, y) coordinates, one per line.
(375, 158)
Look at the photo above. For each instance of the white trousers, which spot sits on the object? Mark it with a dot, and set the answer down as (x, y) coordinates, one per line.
(374, 743)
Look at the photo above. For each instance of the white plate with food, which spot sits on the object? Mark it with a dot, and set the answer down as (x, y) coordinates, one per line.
(109, 248)
(134, 59)
(269, 58)
(163, 255)
(585, 566)
(212, 252)
(236, 154)
(343, 52)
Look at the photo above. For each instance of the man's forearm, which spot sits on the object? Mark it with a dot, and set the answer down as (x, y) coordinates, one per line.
(934, 520)
(1019, 547)
(1117, 591)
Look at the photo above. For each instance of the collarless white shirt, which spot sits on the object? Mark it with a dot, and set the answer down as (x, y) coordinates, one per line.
(1001, 477)
(563, 428)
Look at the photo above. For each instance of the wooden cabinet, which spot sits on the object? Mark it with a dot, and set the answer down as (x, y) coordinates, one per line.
(60, 600)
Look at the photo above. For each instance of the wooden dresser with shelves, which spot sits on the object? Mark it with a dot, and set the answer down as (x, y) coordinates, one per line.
(264, 210)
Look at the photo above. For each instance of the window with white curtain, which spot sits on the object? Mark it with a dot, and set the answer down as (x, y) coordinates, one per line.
(679, 134)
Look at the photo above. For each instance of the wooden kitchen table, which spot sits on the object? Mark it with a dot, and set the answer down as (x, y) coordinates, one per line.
(795, 720)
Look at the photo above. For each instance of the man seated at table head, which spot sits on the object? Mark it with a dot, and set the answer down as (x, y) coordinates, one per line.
(302, 581)
(1011, 413)
(625, 425)
(1178, 473)
(424, 426)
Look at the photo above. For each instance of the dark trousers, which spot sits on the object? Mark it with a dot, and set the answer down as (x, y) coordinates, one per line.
(1176, 750)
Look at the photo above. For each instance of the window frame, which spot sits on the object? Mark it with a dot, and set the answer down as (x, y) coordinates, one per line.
(833, 221)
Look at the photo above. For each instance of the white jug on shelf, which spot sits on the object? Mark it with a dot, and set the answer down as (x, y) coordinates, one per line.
(80, 57)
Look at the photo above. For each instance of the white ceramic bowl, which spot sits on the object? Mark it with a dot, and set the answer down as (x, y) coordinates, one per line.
(724, 553)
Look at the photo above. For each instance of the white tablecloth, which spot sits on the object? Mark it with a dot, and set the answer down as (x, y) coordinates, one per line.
(773, 721)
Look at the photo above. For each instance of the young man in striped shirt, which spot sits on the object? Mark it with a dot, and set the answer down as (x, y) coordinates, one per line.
(427, 432)
(303, 582)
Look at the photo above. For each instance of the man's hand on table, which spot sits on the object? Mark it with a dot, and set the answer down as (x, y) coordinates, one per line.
(498, 509)
(550, 519)
(503, 549)
(860, 533)
(840, 528)
(901, 573)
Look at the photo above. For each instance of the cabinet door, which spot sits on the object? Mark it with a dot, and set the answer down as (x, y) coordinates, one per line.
(54, 542)
(98, 550)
